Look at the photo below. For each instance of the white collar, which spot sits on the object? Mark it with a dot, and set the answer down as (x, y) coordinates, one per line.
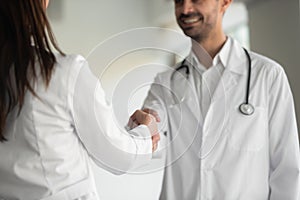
(232, 56)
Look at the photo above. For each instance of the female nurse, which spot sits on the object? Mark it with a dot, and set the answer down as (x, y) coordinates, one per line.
(54, 117)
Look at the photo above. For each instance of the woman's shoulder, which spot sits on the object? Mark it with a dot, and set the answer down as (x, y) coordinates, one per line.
(69, 64)
(67, 68)
(70, 60)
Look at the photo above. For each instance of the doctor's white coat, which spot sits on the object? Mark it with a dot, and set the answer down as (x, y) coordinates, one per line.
(227, 155)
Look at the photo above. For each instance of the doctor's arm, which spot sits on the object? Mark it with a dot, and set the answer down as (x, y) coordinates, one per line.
(284, 177)
(109, 145)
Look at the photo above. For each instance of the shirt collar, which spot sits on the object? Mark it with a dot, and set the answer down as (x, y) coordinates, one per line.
(223, 54)
(232, 56)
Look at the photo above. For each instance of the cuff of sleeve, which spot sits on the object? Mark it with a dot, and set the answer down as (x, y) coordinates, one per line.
(142, 138)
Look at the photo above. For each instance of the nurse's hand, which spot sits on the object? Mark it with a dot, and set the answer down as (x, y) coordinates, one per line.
(140, 117)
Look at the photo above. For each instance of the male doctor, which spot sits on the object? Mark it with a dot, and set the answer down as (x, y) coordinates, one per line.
(215, 149)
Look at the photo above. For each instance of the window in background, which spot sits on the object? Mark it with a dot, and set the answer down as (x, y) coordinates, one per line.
(236, 23)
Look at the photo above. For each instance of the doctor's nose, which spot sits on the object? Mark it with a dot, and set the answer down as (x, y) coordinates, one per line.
(187, 7)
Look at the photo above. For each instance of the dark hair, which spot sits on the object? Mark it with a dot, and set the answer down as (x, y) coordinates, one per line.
(25, 38)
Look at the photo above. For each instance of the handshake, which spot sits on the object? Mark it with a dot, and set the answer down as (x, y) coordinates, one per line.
(149, 118)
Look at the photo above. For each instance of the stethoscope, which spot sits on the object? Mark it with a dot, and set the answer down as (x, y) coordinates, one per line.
(245, 108)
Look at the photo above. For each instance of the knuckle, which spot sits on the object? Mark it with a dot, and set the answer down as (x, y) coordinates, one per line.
(147, 110)
(135, 112)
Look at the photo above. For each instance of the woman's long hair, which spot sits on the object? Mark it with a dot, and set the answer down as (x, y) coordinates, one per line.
(25, 38)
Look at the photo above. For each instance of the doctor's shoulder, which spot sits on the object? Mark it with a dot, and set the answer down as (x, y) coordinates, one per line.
(266, 67)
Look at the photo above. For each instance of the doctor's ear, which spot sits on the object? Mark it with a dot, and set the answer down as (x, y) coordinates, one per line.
(225, 4)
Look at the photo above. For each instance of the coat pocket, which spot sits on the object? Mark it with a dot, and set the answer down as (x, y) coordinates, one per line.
(248, 133)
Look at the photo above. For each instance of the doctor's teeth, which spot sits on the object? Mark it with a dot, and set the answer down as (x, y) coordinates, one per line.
(189, 21)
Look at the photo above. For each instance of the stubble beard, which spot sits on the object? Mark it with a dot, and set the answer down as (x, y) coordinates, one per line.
(199, 35)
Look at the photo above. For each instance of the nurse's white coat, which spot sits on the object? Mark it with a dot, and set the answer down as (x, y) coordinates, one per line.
(47, 155)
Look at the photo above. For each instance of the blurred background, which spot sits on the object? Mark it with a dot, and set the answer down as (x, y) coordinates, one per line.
(269, 27)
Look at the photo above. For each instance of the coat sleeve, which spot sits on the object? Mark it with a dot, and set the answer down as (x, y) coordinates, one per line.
(107, 143)
(284, 176)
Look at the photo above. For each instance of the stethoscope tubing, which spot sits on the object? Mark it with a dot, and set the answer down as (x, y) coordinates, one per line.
(249, 76)
(245, 108)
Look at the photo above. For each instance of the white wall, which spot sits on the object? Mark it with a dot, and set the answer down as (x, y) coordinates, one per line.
(275, 32)
(80, 25)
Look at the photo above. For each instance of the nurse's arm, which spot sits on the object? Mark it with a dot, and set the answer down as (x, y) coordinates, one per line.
(107, 143)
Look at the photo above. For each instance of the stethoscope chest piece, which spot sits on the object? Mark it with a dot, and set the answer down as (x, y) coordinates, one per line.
(246, 109)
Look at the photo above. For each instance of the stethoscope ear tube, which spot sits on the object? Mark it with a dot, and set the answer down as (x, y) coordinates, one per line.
(183, 65)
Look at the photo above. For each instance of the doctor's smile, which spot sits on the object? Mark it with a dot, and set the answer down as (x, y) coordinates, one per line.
(190, 19)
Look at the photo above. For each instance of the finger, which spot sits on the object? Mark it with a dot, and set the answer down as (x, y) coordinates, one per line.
(140, 117)
(154, 147)
(130, 123)
(133, 116)
(155, 138)
(135, 124)
(154, 113)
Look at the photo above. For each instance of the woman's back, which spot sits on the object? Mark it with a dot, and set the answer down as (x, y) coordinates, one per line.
(43, 153)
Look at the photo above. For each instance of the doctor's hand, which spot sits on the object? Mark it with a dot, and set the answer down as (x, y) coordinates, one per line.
(155, 138)
(140, 117)
(153, 113)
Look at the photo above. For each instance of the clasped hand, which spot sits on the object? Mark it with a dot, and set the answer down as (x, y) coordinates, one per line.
(149, 118)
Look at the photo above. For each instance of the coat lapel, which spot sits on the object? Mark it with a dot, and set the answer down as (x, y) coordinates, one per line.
(184, 94)
(217, 115)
